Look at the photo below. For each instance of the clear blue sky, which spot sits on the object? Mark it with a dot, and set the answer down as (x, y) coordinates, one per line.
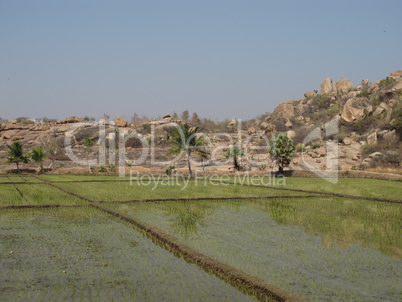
(219, 58)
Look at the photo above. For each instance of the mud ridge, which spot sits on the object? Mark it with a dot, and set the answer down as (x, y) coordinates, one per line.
(248, 283)
(210, 198)
(325, 193)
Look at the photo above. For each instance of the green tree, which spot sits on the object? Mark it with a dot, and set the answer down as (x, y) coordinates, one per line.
(185, 116)
(184, 140)
(234, 153)
(195, 119)
(88, 144)
(281, 150)
(175, 116)
(16, 155)
(38, 155)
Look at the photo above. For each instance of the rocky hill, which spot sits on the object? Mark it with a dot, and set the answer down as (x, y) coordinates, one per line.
(369, 118)
(363, 121)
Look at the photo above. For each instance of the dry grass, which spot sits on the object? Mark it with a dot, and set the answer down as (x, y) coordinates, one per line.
(393, 170)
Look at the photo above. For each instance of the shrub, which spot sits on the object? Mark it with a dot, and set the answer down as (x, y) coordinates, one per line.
(133, 142)
(396, 122)
(301, 133)
(102, 169)
(381, 146)
(146, 129)
(322, 101)
(369, 148)
(340, 137)
(315, 145)
(112, 168)
(325, 113)
(376, 100)
(169, 170)
(364, 123)
(362, 94)
(386, 82)
(300, 147)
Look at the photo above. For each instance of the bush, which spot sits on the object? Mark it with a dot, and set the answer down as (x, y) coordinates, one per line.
(386, 82)
(376, 100)
(300, 147)
(381, 146)
(24, 120)
(364, 123)
(340, 137)
(301, 133)
(112, 168)
(102, 169)
(322, 101)
(362, 94)
(315, 145)
(169, 170)
(146, 129)
(396, 122)
(367, 149)
(133, 142)
(325, 114)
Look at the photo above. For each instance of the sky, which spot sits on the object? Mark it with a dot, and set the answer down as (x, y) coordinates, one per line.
(219, 58)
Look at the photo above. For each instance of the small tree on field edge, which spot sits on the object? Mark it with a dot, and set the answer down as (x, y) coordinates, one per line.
(38, 155)
(16, 155)
(281, 150)
(235, 153)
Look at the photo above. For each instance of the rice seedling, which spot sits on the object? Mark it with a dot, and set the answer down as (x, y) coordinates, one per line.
(317, 248)
(70, 254)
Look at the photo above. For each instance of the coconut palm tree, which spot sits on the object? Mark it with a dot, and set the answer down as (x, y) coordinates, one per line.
(16, 155)
(184, 140)
(235, 153)
(38, 155)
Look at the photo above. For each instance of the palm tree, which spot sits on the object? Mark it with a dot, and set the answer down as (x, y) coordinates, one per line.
(184, 140)
(16, 154)
(282, 150)
(38, 155)
(234, 152)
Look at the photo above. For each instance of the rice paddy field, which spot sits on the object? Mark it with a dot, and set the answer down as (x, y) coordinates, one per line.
(105, 238)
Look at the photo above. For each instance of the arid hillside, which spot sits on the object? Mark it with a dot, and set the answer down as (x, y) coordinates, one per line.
(339, 127)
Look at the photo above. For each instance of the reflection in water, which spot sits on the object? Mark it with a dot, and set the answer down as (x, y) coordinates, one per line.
(186, 217)
(342, 222)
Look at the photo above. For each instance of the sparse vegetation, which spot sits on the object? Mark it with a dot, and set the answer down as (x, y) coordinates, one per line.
(322, 101)
(170, 170)
(340, 137)
(300, 148)
(315, 145)
(325, 114)
(385, 82)
(102, 169)
(396, 121)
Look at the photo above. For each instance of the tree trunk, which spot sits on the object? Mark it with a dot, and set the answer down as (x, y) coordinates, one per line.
(236, 164)
(189, 165)
(18, 167)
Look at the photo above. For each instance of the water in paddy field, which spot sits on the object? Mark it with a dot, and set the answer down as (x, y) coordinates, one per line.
(321, 249)
(80, 254)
